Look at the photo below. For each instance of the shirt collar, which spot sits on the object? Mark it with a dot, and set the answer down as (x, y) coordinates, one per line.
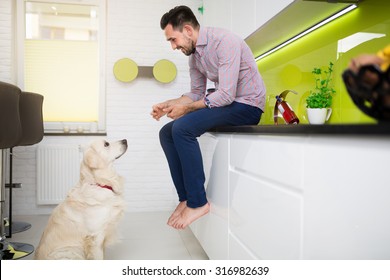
(202, 40)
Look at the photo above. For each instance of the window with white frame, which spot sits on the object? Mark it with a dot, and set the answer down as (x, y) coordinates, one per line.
(61, 53)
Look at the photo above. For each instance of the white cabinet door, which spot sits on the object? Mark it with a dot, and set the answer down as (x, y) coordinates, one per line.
(265, 218)
(347, 199)
(217, 13)
(212, 229)
(265, 10)
(243, 17)
(249, 15)
(273, 158)
(265, 209)
(238, 251)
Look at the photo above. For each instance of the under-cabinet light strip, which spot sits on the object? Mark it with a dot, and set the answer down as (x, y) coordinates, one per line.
(307, 31)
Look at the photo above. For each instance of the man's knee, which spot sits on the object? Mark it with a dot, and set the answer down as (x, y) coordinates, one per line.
(181, 129)
(166, 131)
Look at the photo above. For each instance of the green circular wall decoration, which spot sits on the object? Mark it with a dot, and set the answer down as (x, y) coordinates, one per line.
(125, 70)
(164, 71)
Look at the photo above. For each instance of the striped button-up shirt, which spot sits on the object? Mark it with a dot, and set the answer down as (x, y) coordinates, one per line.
(225, 59)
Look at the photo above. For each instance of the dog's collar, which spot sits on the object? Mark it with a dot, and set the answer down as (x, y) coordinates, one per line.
(105, 187)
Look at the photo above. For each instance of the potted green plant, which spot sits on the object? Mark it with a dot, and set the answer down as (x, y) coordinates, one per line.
(319, 101)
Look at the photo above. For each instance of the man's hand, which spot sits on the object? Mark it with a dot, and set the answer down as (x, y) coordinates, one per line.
(158, 110)
(177, 110)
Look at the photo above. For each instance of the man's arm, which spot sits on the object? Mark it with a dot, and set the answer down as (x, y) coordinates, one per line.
(178, 110)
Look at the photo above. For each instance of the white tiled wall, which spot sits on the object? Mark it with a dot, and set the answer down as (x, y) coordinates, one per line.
(133, 31)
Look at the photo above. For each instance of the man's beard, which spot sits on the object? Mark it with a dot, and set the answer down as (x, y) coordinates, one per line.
(190, 50)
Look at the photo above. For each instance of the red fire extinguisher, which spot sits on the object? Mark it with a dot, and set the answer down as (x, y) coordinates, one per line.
(287, 112)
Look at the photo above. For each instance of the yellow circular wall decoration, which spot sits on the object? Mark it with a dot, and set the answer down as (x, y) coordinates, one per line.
(164, 71)
(125, 70)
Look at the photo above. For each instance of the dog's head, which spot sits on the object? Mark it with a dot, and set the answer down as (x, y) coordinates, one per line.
(101, 153)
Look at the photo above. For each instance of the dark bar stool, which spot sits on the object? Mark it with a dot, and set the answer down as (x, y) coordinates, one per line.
(31, 119)
(21, 124)
(10, 135)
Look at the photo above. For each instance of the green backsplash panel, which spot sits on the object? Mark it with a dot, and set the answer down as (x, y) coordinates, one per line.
(363, 30)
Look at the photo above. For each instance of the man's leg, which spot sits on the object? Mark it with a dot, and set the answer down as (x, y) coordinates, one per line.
(173, 159)
(175, 168)
(185, 131)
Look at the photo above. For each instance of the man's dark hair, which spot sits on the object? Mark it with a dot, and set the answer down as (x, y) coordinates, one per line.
(178, 17)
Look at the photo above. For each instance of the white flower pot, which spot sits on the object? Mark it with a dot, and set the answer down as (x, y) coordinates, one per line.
(318, 115)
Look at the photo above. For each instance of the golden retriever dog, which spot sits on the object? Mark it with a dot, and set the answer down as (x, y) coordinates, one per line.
(86, 221)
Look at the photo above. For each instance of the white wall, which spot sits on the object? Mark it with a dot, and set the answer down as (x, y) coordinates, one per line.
(6, 43)
(133, 31)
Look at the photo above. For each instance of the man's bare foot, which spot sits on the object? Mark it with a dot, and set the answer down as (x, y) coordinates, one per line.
(189, 215)
(179, 208)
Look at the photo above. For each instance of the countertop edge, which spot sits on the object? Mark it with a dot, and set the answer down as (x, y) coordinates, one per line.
(306, 129)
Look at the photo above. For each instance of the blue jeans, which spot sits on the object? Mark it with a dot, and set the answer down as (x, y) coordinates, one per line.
(179, 142)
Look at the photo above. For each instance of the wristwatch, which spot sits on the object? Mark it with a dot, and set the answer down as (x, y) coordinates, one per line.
(207, 102)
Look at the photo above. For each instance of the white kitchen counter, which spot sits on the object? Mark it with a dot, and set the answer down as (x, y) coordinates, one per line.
(304, 195)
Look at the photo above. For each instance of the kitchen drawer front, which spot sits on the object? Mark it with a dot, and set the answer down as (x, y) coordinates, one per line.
(212, 229)
(212, 233)
(238, 251)
(270, 158)
(218, 183)
(347, 212)
(265, 218)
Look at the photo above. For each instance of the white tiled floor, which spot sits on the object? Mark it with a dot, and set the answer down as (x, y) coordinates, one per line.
(145, 236)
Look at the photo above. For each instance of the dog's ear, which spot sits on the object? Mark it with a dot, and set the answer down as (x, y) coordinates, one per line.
(93, 160)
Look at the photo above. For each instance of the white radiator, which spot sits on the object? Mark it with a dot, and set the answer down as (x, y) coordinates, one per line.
(58, 170)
